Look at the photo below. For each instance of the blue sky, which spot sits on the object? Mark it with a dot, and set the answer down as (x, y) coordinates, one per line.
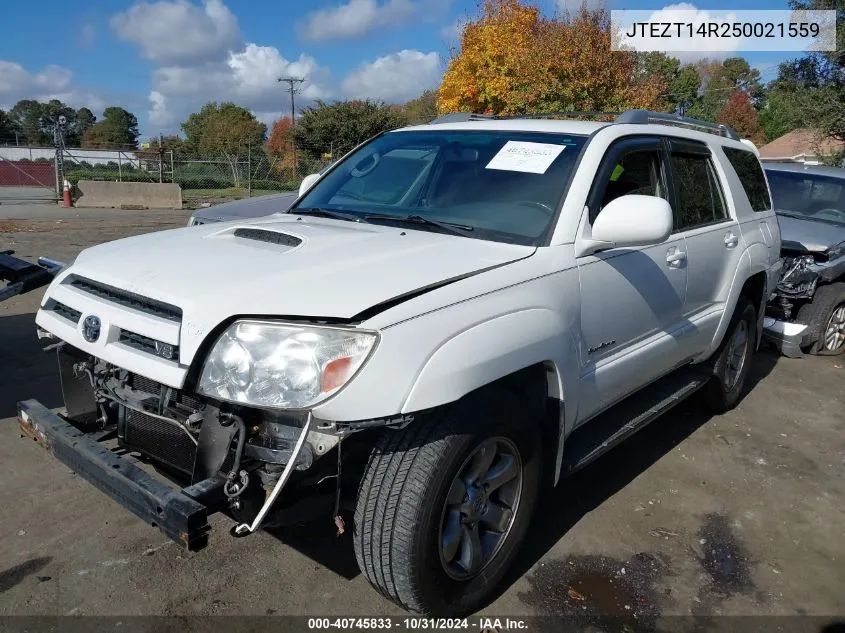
(163, 59)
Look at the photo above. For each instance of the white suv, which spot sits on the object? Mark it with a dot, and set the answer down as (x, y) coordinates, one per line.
(450, 315)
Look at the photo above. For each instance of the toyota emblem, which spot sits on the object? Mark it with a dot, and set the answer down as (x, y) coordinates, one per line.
(91, 328)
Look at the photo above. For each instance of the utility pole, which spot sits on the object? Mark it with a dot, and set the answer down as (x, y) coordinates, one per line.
(292, 83)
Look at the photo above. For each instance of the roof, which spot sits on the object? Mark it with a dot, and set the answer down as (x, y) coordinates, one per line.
(819, 170)
(799, 143)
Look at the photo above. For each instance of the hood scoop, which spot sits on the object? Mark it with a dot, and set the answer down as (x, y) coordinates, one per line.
(271, 237)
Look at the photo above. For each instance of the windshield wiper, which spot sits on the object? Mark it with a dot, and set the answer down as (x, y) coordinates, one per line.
(329, 213)
(449, 227)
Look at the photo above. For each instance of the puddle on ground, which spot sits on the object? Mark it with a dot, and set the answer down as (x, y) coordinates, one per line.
(723, 557)
(597, 591)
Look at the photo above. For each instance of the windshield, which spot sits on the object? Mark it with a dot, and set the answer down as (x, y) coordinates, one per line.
(496, 185)
(808, 195)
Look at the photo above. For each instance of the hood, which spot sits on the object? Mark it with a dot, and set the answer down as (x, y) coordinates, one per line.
(813, 236)
(283, 266)
(248, 208)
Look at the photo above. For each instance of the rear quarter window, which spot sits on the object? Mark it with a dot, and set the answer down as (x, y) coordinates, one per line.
(750, 173)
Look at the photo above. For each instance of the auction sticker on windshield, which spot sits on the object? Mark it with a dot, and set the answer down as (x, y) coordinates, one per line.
(534, 158)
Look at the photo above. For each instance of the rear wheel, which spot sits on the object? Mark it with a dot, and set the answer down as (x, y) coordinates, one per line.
(445, 503)
(733, 358)
(825, 318)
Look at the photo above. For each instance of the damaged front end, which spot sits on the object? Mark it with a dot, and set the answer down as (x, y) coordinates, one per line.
(803, 272)
(228, 458)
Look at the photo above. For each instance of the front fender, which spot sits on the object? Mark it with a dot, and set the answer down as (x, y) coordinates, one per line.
(486, 352)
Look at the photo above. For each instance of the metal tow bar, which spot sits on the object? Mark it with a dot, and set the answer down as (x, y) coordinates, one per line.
(23, 276)
(245, 529)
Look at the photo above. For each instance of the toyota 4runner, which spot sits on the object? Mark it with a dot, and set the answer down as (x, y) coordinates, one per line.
(451, 317)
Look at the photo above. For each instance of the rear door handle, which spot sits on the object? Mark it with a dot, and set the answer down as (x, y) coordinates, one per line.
(731, 240)
(675, 256)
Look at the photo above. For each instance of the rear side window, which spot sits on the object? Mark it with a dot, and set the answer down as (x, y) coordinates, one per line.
(750, 174)
(699, 195)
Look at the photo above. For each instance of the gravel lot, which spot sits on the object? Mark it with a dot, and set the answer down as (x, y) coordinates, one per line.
(740, 514)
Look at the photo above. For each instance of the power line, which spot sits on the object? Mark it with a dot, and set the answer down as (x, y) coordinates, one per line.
(292, 82)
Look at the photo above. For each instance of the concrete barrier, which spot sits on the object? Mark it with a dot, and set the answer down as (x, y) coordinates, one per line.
(145, 195)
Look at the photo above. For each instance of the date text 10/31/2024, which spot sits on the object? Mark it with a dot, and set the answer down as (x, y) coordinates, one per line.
(481, 624)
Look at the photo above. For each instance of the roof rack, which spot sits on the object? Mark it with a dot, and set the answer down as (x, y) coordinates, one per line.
(629, 116)
(666, 118)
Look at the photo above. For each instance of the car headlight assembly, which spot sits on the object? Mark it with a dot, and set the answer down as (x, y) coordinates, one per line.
(277, 365)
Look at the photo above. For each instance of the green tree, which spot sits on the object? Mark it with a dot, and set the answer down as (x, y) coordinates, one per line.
(84, 120)
(338, 127)
(226, 130)
(8, 127)
(682, 82)
(817, 80)
(782, 113)
(117, 130)
(27, 115)
(422, 109)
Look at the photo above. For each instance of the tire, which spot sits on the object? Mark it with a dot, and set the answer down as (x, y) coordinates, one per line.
(401, 506)
(730, 364)
(826, 305)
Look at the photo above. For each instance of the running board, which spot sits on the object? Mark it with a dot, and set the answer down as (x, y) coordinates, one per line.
(622, 420)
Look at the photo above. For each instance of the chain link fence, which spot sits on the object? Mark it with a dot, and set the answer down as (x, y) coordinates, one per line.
(209, 177)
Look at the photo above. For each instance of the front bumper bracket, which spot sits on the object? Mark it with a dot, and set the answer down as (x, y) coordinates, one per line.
(785, 336)
(179, 515)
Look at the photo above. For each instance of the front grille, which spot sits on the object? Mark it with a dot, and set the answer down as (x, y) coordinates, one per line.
(66, 312)
(149, 345)
(127, 299)
(160, 440)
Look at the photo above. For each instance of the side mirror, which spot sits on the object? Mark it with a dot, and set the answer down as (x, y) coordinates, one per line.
(307, 183)
(632, 220)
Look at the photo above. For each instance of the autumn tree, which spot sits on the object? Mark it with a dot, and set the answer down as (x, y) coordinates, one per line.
(739, 113)
(514, 60)
(279, 146)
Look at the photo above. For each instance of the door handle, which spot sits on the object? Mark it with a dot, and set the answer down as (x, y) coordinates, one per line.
(675, 256)
(731, 240)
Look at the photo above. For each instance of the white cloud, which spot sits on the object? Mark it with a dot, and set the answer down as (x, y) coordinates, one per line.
(86, 34)
(179, 32)
(248, 77)
(52, 82)
(394, 78)
(359, 17)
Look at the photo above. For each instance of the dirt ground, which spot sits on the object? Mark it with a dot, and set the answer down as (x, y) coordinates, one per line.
(740, 514)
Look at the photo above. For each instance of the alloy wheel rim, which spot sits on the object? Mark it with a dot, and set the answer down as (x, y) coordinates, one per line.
(834, 334)
(737, 352)
(480, 507)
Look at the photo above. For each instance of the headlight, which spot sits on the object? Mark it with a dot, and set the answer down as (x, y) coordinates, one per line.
(282, 365)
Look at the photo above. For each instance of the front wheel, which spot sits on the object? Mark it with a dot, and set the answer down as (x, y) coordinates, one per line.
(445, 503)
(825, 318)
(733, 358)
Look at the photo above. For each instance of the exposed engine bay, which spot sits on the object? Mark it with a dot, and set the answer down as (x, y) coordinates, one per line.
(803, 272)
(252, 453)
